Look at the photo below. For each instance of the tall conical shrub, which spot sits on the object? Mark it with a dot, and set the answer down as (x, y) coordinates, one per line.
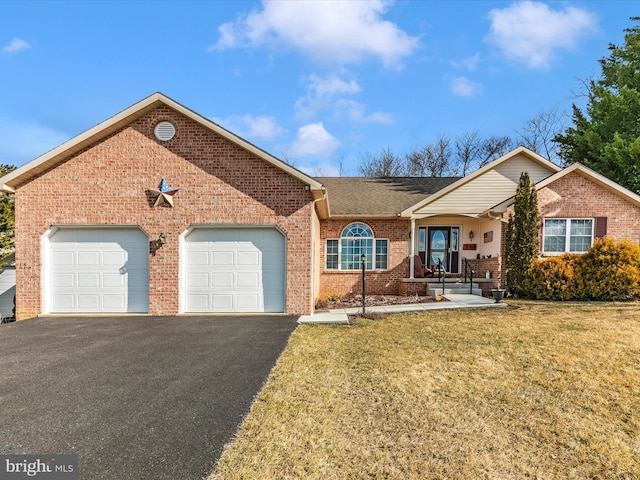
(522, 243)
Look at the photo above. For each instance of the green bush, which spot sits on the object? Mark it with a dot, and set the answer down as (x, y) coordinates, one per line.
(608, 271)
(553, 278)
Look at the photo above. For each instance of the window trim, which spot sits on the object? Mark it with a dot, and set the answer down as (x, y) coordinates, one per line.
(374, 255)
(568, 236)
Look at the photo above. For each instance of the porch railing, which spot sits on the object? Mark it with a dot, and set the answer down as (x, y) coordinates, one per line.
(442, 273)
(468, 272)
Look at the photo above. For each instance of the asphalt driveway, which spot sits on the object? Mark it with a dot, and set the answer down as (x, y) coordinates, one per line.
(134, 397)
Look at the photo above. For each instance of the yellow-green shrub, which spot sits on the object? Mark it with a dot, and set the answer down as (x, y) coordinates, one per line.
(552, 278)
(610, 271)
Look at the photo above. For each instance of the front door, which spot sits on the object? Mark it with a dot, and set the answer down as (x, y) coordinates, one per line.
(442, 244)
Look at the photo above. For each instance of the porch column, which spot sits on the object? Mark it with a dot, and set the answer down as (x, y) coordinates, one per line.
(413, 247)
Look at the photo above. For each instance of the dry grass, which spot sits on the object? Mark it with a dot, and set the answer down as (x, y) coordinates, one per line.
(543, 391)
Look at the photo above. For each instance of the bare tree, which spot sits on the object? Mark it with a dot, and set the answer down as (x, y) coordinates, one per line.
(537, 133)
(385, 164)
(441, 158)
(467, 146)
(474, 152)
(492, 148)
(432, 160)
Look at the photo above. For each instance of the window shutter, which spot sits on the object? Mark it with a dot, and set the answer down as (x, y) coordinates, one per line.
(600, 229)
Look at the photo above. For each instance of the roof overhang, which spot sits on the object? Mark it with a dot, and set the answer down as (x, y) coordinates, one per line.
(579, 169)
(27, 172)
(520, 150)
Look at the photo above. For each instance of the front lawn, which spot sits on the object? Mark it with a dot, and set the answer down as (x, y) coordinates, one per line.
(546, 390)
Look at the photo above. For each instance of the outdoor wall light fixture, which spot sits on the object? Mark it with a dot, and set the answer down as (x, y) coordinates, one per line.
(162, 239)
(471, 235)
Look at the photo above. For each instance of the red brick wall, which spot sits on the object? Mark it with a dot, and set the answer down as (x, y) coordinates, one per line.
(575, 196)
(220, 183)
(377, 282)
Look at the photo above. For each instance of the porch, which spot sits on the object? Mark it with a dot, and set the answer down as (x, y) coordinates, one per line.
(458, 244)
(486, 274)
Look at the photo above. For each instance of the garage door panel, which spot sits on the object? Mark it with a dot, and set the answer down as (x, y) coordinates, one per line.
(110, 280)
(115, 258)
(96, 270)
(247, 280)
(198, 258)
(64, 258)
(248, 302)
(222, 280)
(88, 280)
(91, 259)
(198, 280)
(63, 303)
(221, 302)
(65, 280)
(88, 302)
(222, 258)
(198, 302)
(135, 280)
(113, 302)
(248, 258)
(240, 273)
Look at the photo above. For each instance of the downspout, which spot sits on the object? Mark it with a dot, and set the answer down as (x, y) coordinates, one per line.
(313, 246)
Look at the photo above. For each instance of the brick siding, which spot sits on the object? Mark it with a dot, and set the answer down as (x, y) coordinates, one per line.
(377, 282)
(220, 184)
(575, 196)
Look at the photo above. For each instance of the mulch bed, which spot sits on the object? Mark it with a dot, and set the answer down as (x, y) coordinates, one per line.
(375, 301)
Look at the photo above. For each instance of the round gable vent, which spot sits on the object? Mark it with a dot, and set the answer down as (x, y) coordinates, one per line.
(164, 131)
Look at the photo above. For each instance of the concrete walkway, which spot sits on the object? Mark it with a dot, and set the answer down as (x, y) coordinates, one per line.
(453, 301)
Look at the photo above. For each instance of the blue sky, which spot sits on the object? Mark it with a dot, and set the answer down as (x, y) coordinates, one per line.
(315, 83)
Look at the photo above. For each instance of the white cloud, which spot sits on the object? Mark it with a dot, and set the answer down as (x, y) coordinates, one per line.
(356, 112)
(21, 142)
(260, 127)
(530, 32)
(339, 32)
(313, 139)
(463, 87)
(16, 45)
(329, 93)
(321, 93)
(470, 64)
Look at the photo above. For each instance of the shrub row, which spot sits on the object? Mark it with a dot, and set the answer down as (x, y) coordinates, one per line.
(610, 270)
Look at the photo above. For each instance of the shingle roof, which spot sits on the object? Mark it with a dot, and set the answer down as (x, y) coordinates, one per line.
(384, 197)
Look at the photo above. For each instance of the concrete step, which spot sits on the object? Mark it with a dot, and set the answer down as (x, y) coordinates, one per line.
(453, 288)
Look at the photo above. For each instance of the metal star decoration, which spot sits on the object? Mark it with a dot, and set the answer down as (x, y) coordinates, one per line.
(164, 194)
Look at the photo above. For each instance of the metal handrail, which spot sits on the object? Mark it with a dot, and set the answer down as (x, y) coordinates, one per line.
(469, 270)
(441, 272)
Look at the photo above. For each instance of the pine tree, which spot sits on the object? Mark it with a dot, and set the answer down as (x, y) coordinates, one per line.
(606, 135)
(522, 235)
(6, 218)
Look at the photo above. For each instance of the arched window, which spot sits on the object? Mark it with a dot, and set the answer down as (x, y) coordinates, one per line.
(357, 239)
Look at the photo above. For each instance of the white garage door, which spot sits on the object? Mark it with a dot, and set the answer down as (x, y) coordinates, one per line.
(99, 270)
(235, 270)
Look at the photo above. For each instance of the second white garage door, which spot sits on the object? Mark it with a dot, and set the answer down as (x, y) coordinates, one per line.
(235, 270)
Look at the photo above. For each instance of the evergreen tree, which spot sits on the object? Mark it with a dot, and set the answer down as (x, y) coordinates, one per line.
(522, 234)
(606, 137)
(6, 218)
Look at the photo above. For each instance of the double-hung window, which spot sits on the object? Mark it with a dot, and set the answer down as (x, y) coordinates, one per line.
(355, 240)
(561, 235)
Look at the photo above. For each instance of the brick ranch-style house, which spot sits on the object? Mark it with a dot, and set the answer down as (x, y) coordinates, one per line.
(158, 210)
